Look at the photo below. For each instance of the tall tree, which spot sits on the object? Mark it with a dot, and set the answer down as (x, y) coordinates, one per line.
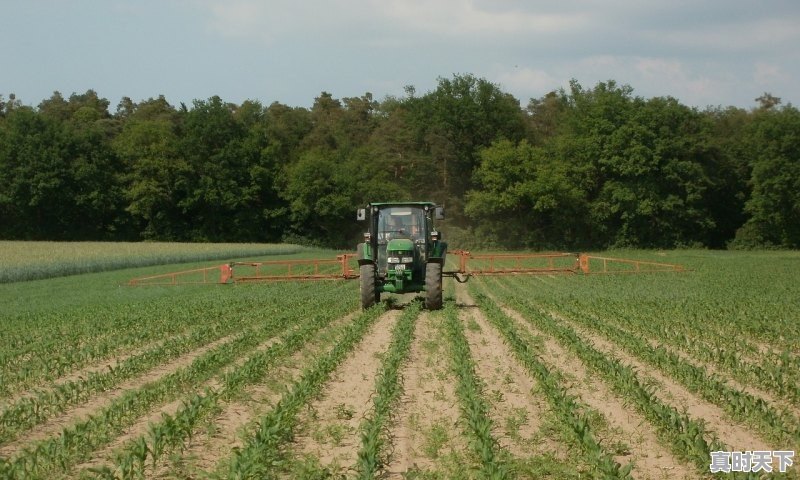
(460, 116)
(157, 178)
(774, 206)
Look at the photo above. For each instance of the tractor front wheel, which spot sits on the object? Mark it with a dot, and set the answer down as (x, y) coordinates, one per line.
(369, 295)
(433, 286)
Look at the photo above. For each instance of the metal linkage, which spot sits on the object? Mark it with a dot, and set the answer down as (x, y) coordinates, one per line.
(551, 264)
(513, 263)
(188, 277)
(593, 264)
(313, 269)
(248, 272)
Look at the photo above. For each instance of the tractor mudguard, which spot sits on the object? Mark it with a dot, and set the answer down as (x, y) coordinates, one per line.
(364, 254)
(438, 252)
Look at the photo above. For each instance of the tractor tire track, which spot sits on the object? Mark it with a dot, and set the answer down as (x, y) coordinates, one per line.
(516, 411)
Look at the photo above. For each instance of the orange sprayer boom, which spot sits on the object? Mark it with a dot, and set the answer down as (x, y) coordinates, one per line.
(343, 267)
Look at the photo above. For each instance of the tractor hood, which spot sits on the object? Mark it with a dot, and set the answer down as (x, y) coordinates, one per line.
(396, 244)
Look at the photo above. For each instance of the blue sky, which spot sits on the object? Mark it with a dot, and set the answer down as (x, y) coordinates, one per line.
(713, 52)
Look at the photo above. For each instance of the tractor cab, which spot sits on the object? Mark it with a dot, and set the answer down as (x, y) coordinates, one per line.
(402, 251)
(401, 237)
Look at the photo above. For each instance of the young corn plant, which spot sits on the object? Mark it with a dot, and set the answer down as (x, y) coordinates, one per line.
(566, 406)
(261, 457)
(388, 388)
(474, 408)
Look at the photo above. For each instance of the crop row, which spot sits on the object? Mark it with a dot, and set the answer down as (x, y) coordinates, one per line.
(262, 454)
(388, 387)
(26, 412)
(688, 437)
(570, 412)
(777, 425)
(779, 373)
(60, 342)
(79, 440)
(174, 431)
(474, 408)
(780, 426)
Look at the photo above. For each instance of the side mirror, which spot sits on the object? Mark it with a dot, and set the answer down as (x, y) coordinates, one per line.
(361, 214)
(438, 213)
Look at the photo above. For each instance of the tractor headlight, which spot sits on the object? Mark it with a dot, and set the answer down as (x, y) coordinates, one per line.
(393, 259)
(407, 259)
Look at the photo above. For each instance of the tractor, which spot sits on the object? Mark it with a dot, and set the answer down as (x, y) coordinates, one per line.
(402, 251)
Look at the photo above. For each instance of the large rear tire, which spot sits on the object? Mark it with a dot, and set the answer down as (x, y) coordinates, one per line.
(369, 295)
(433, 286)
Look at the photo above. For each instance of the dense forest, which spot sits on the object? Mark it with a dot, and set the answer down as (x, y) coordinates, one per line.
(577, 168)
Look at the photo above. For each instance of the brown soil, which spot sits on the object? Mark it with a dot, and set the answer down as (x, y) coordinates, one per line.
(733, 434)
(79, 413)
(426, 435)
(634, 438)
(329, 429)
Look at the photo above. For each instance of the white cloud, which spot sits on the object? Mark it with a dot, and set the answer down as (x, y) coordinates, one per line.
(531, 82)
(270, 21)
(672, 75)
(734, 37)
(404, 18)
(465, 18)
(768, 73)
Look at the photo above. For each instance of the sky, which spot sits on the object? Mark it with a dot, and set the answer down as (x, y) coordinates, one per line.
(705, 53)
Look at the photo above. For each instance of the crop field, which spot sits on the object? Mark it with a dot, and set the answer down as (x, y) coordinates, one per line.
(36, 260)
(521, 376)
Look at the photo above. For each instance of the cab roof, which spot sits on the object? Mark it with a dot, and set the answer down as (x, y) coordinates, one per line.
(401, 204)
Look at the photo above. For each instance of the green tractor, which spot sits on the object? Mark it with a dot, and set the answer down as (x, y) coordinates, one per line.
(402, 251)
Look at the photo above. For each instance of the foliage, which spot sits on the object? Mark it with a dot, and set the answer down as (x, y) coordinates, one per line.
(579, 167)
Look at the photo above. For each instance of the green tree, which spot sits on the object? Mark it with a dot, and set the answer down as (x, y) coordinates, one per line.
(774, 205)
(222, 148)
(157, 178)
(525, 199)
(453, 122)
(61, 179)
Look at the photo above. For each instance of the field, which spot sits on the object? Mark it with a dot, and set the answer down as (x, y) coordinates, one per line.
(36, 260)
(562, 377)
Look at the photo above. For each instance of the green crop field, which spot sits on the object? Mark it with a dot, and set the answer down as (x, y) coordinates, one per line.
(521, 376)
(21, 261)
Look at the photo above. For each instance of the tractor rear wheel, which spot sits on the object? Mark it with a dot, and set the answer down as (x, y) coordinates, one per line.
(369, 295)
(433, 286)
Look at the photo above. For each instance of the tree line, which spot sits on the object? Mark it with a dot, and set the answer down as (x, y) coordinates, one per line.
(577, 168)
